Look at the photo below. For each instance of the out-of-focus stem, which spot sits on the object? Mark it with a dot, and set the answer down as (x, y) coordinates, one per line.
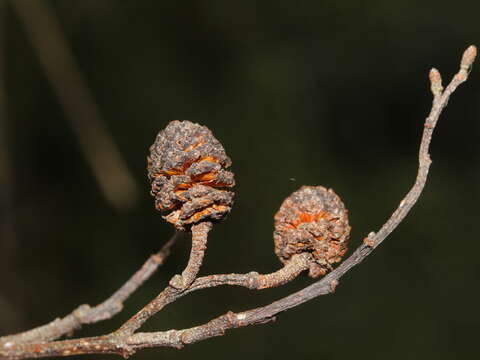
(7, 214)
(60, 67)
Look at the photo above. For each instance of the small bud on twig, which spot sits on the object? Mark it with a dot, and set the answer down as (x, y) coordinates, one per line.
(312, 219)
(187, 168)
(468, 57)
(435, 82)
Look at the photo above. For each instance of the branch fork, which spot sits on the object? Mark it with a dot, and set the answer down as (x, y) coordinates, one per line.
(193, 189)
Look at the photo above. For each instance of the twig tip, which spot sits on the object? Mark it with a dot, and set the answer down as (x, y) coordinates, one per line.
(434, 75)
(468, 57)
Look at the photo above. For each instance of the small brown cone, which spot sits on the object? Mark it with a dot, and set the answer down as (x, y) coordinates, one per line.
(312, 219)
(187, 167)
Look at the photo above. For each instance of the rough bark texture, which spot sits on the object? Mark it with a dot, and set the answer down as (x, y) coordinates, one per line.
(126, 342)
(85, 314)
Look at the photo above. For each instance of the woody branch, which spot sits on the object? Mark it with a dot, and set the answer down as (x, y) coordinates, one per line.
(125, 341)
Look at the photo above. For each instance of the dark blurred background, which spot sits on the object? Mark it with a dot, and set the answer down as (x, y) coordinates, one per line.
(309, 92)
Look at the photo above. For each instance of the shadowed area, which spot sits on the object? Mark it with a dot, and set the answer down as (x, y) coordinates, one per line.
(311, 93)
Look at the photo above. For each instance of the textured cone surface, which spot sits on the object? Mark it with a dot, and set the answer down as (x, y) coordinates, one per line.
(187, 169)
(312, 219)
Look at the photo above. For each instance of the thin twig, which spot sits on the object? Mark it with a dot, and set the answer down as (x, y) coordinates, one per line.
(255, 281)
(71, 89)
(125, 343)
(85, 314)
(199, 245)
(178, 284)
